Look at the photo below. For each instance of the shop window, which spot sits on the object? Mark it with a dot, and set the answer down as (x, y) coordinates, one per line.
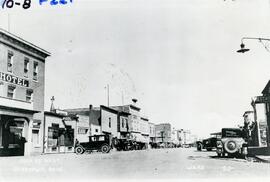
(53, 134)
(29, 95)
(15, 137)
(35, 71)
(26, 67)
(35, 137)
(10, 61)
(11, 91)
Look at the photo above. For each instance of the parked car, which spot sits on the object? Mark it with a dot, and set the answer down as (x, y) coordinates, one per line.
(208, 144)
(232, 142)
(101, 143)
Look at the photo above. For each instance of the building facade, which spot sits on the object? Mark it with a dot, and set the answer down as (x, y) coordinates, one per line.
(163, 133)
(60, 132)
(152, 133)
(22, 67)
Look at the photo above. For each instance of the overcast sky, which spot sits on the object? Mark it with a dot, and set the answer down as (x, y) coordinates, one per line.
(178, 58)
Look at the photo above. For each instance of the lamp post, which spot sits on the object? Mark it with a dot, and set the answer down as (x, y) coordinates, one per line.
(242, 45)
(243, 50)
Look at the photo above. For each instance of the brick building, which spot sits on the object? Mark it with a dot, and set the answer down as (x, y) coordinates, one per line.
(22, 67)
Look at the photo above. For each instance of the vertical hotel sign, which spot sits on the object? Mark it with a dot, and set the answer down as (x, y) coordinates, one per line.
(14, 79)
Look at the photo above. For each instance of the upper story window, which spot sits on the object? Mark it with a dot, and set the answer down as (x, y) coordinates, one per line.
(29, 95)
(26, 67)
(9, 61)
(11, 91)
(123, 122)
(110, 122)
(35, 71)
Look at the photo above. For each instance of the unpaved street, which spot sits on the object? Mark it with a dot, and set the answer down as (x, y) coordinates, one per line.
(179, 163)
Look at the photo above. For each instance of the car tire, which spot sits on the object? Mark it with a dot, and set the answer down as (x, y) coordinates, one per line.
(199, 147)
(79, 150)
(105, 148)
(230, 146)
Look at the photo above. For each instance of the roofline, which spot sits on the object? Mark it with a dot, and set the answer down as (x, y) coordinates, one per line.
(108, 109)
(25, 42)
(19, 109)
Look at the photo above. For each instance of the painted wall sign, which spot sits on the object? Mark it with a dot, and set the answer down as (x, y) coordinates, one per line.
(14, 79)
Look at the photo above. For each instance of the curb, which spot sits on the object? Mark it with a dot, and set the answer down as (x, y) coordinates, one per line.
(261, 160)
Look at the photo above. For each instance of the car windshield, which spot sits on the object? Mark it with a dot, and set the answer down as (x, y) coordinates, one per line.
(232, 133)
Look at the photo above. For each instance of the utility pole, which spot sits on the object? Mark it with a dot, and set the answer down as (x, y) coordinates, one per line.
(122, 98)
(8, 22)
(108, 95)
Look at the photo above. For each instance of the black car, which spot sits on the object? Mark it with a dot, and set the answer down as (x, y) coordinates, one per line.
(101, 143)
(232, 142)
(208, 144)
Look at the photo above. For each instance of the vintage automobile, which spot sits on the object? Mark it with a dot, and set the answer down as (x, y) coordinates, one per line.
(232, 142)
(208, 144)
(101, 143)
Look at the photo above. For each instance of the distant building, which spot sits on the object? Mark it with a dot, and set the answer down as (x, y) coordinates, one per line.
(176, 137)
(152, 133)
(22, 68)
(163, 133)
(138, 127)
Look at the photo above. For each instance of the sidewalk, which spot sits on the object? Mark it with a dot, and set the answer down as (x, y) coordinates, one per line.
(262, 154)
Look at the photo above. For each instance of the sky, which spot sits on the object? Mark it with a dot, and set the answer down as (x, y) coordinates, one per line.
(178, 58)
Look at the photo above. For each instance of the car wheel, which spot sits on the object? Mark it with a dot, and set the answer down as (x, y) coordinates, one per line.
(199, 147)
(79, 150)
(105, 148)
(231, 146)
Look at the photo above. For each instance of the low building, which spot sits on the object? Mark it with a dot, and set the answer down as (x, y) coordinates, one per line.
(59, 132)
(83, 126)
(122, 124)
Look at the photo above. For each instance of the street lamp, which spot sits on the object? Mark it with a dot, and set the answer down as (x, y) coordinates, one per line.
(242, 45)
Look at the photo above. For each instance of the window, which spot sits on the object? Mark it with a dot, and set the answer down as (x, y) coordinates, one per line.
(96, 130)
(9, 61)
(35, 137)
(82, 131)
(35, 71)
(29, 95)
(11, 91)
(123, 123)
(109, 122)
(26, 67)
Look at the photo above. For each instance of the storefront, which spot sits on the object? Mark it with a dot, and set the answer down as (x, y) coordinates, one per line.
(59, 133)
(15, 133)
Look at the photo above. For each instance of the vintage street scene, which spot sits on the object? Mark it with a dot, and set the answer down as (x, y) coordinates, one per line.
(134, 90)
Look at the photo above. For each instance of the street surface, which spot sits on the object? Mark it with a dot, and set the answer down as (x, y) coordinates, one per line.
(178, 163)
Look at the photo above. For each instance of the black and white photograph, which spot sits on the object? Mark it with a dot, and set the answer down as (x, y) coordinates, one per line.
(127, 90)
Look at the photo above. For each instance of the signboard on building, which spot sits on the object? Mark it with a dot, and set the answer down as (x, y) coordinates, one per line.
(14, 79)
